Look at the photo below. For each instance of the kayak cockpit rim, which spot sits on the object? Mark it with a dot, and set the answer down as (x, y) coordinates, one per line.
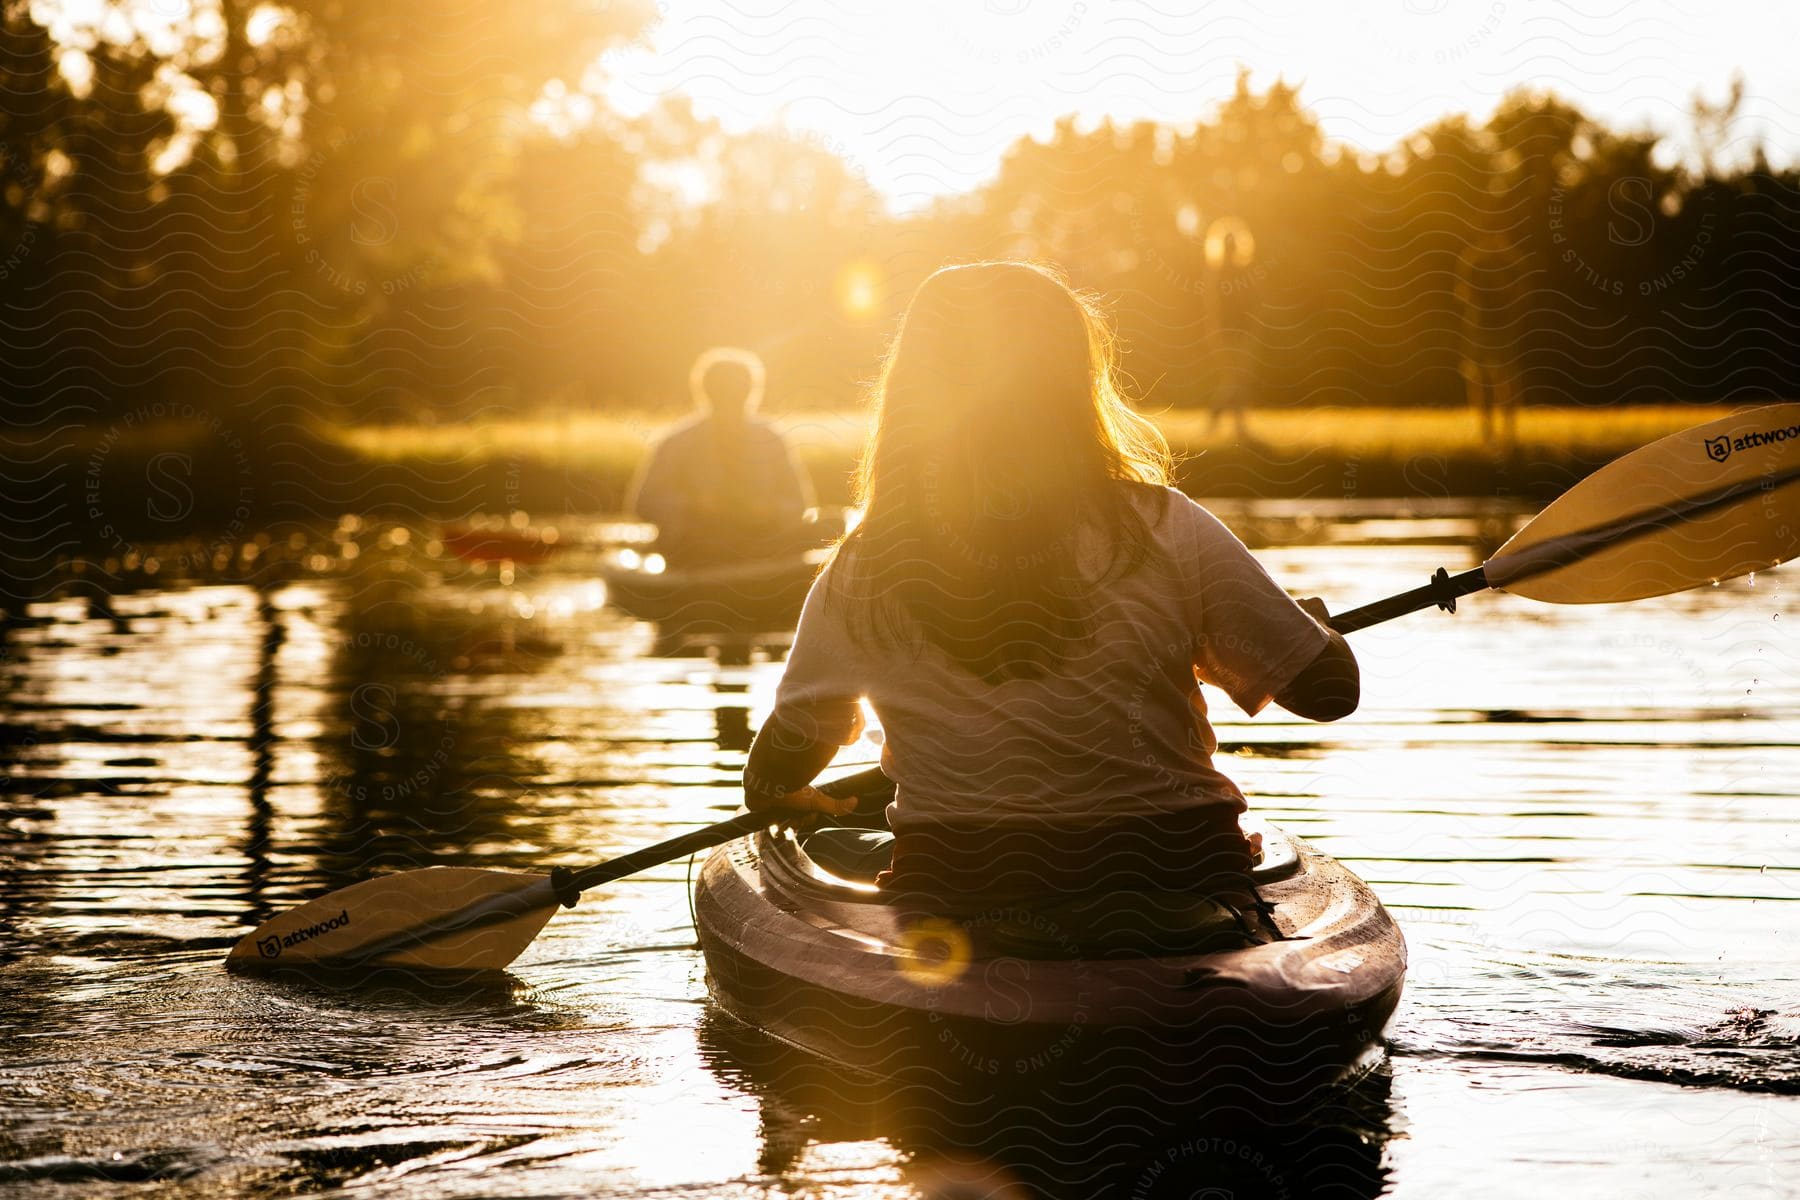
(1278, 860)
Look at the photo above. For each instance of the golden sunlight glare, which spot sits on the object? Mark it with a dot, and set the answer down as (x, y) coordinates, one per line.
(859, 289)
(924, 98)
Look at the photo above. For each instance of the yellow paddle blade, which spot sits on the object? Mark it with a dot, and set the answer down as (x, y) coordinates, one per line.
(1709, 503)
(438, 918)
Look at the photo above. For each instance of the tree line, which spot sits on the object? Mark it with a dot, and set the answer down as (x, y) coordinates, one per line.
(416, 211)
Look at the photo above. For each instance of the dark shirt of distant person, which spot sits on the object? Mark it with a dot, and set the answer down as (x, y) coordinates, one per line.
(724, 486)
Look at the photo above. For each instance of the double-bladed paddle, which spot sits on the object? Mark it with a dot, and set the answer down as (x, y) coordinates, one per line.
(1713, 502)
(471, 918)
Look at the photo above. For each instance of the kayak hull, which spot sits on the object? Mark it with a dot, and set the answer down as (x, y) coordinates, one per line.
(754, 597)
(1261, 1030)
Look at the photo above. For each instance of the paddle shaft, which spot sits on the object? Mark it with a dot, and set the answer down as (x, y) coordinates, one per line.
(1444, 588)
(570, 884)
(1442, 591)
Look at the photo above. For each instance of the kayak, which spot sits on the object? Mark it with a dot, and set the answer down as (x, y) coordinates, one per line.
(474, 543)
(748, 597)
(1257, 1020)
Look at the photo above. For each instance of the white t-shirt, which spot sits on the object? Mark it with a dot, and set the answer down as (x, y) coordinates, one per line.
(1118, 727)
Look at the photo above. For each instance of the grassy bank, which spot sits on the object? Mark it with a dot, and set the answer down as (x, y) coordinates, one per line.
(102, 505)
(200, 475)
(584, 461)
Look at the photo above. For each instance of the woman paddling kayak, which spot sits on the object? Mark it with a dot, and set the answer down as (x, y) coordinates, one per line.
(1029, 609)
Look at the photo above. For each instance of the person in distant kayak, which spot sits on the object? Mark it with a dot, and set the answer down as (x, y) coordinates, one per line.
(724, 486)
(1030, 610)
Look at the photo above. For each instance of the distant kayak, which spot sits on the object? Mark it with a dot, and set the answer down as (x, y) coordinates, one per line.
(748, 597)
(1257, 1017)
(500, 543)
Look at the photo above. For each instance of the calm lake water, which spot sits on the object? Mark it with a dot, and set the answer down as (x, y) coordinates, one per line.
(1585, 819)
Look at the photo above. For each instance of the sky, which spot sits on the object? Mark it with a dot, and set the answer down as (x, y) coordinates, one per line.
(924, 95)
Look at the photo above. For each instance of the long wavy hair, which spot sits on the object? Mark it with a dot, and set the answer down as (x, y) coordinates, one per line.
(1000, 436)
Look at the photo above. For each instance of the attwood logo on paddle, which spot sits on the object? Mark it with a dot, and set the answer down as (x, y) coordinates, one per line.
(1719, 449)
(275, 943)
